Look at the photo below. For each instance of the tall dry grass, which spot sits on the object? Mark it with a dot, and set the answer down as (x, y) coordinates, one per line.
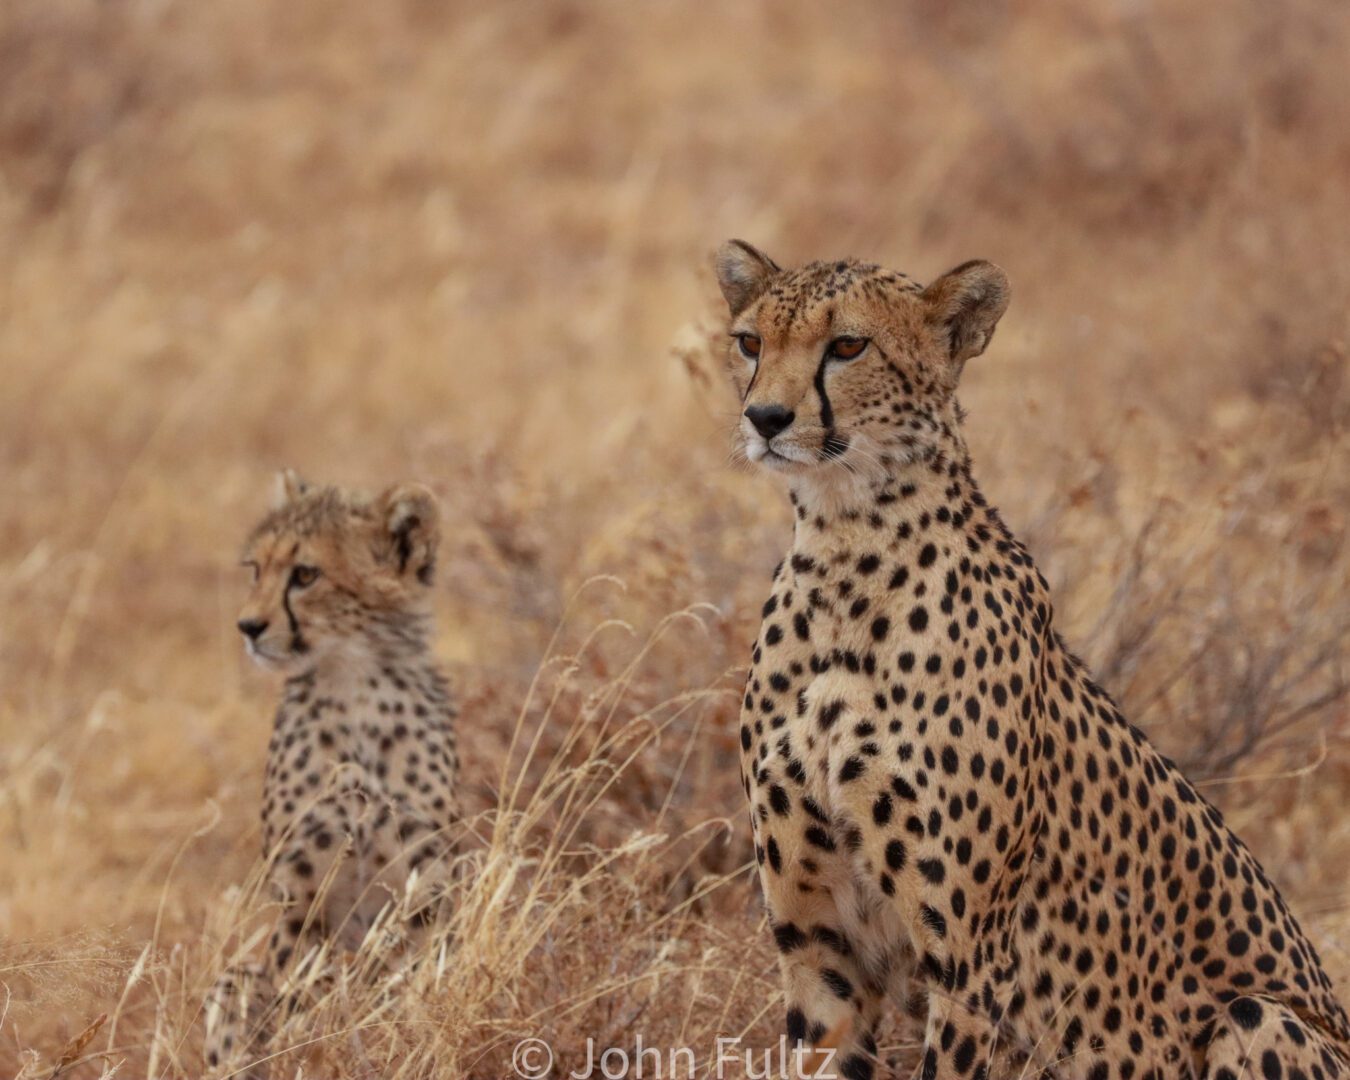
(468, 244)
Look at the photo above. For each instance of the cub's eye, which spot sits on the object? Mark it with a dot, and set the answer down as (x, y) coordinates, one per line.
(750, 345)
(847, 348)
(302, 577)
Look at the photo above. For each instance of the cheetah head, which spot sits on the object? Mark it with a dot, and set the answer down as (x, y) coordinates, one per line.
(331, 568)
(848, 366)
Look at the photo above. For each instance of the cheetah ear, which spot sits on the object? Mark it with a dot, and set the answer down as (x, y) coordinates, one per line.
(411, 520)
(965, 305)
(286, 488)
(742, 271)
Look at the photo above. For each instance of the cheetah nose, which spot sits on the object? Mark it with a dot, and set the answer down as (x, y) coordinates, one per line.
(252, 628)
(769, 420)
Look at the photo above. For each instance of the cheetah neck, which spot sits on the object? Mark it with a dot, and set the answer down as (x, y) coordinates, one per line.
(396, 648)
(873, 553)
(840, 515)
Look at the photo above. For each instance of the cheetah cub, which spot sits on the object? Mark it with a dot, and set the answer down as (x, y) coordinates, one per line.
(359, 790)
(939, 790)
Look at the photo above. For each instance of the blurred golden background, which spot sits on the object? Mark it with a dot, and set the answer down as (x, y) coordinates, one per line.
(469, 244)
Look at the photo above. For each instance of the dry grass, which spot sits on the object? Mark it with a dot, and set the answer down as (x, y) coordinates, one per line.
(468, 244)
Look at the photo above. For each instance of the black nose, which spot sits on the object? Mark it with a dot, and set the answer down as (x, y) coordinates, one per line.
(252, 628)
(769, 420)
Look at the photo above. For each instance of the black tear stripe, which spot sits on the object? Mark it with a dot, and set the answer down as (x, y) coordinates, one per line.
(826, 411)
(832, 446)
(751, 384)
(298, 642)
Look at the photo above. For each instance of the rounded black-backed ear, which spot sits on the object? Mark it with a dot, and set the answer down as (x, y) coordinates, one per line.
(411, 519)
(742, 271)
(286, 488)
(966, 304)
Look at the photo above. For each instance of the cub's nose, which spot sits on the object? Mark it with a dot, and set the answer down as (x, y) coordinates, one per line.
(252, 628)
(769, 420)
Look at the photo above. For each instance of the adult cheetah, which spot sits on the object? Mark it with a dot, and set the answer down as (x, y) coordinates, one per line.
(361, 768)
(939, 791)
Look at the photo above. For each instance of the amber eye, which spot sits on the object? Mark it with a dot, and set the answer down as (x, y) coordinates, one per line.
(302, 577)
(750, 345)
(847, 348)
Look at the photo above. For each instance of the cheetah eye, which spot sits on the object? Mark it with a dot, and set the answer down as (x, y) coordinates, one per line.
(302, 577)
(750, 345)
(847, 348)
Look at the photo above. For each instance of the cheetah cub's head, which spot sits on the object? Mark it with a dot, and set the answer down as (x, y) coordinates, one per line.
(334, 570)
(848, 366)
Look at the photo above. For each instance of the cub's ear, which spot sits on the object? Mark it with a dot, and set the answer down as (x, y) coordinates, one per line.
(742, 271)
(286, 488)
(965, 305)
(411, 520)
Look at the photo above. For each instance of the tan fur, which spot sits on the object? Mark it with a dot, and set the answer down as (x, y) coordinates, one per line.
(939, 791)
(360, 788)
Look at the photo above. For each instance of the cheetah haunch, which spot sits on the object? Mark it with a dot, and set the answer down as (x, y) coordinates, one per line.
(939, 791)
(360, 784)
